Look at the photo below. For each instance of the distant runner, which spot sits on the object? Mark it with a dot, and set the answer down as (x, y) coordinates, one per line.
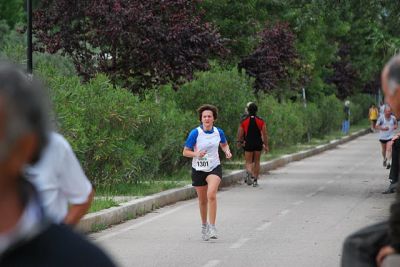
(386, 124)
(202, 145)
(373, 116)
(252, 135)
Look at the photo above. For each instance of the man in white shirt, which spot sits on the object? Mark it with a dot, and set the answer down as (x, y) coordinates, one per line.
(27, 236)
(63, 186)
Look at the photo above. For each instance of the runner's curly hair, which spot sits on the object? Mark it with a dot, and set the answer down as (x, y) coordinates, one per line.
(212, 108)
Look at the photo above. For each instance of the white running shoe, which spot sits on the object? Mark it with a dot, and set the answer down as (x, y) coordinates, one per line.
(212, 232)
(204, 232)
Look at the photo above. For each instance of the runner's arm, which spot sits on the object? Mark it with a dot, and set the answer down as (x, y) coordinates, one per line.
(188, 152)
(227, 151)
(240, 136)
(77, 211)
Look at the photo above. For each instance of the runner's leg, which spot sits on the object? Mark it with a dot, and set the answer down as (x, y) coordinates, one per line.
(202, 196)
(256, 169)
(213, 182)
(249, 161)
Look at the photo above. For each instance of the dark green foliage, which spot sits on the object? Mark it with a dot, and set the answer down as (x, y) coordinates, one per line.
(285, 122)
(331, 112)
(359, 106)
(12, 12)
(238, 22)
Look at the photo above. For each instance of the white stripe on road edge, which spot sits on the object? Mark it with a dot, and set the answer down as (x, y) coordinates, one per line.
(298, 202)
(330, 182)
(240, 243)
(321, 188)
(264, 226)
(137, 225)
(212, 263)
(284, 212)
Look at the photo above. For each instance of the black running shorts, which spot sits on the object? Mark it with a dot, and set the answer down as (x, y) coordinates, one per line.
(384, 141)
(199, 177)
(253, 147)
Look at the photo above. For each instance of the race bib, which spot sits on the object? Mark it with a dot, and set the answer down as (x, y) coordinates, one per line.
(203, 164)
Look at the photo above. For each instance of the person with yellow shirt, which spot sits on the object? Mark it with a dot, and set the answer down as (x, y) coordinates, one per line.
(373, 116)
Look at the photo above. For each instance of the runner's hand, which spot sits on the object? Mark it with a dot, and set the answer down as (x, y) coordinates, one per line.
(266, 148)
(228, 154)
(201, 154)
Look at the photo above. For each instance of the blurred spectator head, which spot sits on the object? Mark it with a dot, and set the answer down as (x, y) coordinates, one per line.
(23, 120)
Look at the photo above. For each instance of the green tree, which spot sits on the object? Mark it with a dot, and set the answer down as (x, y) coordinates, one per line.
(12, 11)
(238, 22)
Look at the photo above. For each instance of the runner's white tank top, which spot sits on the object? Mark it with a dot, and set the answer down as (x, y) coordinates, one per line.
(210, 143)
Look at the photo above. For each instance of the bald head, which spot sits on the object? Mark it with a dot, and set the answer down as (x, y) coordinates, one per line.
(390, 79)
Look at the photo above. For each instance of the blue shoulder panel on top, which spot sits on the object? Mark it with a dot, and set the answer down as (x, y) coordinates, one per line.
(191, 140)
(222, 135)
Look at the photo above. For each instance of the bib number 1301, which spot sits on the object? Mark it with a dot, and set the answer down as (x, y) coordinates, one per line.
(202, 163)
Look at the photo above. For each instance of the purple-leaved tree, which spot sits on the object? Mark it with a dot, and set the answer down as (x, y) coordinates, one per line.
(269, 63)
(138, 43)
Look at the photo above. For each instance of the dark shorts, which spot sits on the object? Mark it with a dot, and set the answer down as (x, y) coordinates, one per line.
(374, 121)
(253, 147)
(384, 141)
(199, 177)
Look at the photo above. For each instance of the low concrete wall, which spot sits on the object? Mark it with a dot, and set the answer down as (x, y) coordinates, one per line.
(130, 210)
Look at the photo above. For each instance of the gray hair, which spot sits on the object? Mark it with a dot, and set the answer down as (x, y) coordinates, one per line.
(25, 108)
(394, 73)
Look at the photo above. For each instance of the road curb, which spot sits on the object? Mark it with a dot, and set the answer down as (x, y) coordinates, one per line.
(132, 209)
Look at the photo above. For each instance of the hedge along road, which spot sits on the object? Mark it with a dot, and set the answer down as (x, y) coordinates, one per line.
(298, 216)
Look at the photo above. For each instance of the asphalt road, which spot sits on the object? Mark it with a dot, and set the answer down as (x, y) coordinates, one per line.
(298, 216)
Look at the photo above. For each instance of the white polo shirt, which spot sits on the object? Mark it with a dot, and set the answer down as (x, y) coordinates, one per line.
(59, 178)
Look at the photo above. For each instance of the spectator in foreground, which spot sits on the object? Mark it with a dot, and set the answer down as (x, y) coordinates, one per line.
(27, 236)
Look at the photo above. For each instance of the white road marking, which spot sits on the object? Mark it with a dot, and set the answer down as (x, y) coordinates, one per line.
(240, 243)
(284, 212)
(264, 226)
(330, 182)
(212, 263)
(321, 188)
(137, 225)
(298, 202)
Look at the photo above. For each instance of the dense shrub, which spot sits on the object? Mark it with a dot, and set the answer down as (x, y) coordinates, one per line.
(101, 123)
(312, 119)
(285, 121)
(359, 106)
(331, 111)
(117, 136)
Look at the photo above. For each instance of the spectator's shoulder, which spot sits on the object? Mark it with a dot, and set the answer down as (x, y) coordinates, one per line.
(68, 246)
(56, 245)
